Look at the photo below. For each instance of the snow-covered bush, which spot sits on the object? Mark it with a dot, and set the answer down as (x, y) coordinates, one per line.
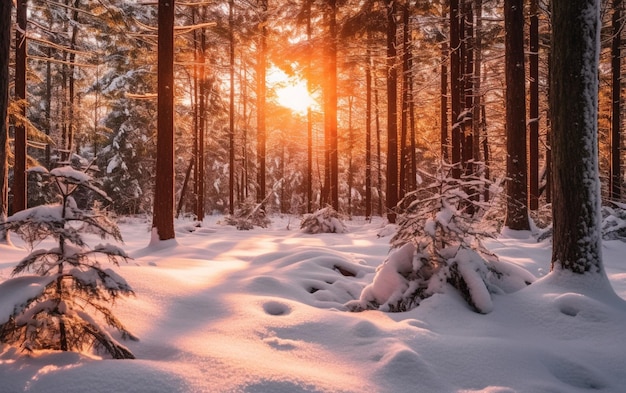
(439, 243)
(614, 222)
(325, 220)
(248, 215)
(60, 307)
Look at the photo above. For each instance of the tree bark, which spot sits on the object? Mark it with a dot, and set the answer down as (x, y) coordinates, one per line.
(163, 211)
(533, 105)
(577, 239)
(455, 99)
(5, 48)
(392, 113)
(517, 194)
(231, 105)
(261, 97)
(19, 168)
(331, 110)
(368, 128)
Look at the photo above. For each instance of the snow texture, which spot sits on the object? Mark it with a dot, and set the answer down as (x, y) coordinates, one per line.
(222, 310)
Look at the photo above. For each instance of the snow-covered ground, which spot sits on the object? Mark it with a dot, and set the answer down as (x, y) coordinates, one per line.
(222, 310)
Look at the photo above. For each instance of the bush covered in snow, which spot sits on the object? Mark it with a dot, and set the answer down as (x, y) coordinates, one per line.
(325, 220)
(614, 222)
(249, 215)
(53, 308)
(438, 244)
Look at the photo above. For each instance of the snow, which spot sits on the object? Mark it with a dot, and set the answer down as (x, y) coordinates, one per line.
(222, 310)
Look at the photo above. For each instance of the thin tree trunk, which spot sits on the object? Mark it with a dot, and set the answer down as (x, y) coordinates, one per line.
(368, 128)
(455, 75)
(201, 129)
(392, 113)
(261, 96)
(477, 122)
(163, 211)
(309, 120)
(533, 105)
(332, 105)
(517, 194)
(231, 106)
(378, 148)
(5, 48)
(19, 168)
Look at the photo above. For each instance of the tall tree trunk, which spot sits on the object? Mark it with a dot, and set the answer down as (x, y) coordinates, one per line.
(616, 119)
(379, 170)
(368, 127)
(517, 194)
(5, 48)
(163, 211)
(577, 243)
(72, 81)
(19, 168)
(202, 120)
(477, 119)
(331, 110)
(404, 118)
(445, 138)
(533, 105)
(309, 118)
(261, 96)
(468, 87)
(392, 113)
(455, 90)
(231, 106)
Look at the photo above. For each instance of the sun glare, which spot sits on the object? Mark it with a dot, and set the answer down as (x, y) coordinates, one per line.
(291, 92)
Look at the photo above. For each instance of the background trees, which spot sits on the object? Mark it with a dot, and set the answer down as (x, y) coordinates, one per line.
(93, 85)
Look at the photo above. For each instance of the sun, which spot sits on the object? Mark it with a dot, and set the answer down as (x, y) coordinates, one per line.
(291, 92)
(295, 96)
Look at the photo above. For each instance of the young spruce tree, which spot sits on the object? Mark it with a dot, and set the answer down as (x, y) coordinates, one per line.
(56, 308)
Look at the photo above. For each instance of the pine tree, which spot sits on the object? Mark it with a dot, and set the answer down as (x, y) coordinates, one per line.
(51, 309)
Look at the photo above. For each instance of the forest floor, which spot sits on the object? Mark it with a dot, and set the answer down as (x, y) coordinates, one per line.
(223, 310)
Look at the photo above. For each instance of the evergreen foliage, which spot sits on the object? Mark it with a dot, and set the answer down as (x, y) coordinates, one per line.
(51, 309)
(249, 215)
(325, 220)
(439, 242)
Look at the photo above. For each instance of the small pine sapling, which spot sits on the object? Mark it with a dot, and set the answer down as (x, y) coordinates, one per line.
(325, 220)
(248, 215)
(439, 242)
(51, 309)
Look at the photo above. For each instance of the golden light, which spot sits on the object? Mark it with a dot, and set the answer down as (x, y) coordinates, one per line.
(295, 96)
(291, 92)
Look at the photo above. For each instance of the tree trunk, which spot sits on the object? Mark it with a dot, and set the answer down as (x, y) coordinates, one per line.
(163, 211)
(616, 66)
(5, 48)
(455, 99)
(533, 105)
(331, 110)
(261, 96)
(201, 128)
(517, 194)
(368, 128)
(577, 239)
(392, 113)
(445, 139)
(309, 120)
(231, 105)
(19, 168)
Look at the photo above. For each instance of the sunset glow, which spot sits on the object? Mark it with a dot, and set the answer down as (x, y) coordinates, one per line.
(295, 96)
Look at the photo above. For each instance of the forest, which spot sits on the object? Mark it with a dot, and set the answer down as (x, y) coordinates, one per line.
(455, 167)
(296, 104)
